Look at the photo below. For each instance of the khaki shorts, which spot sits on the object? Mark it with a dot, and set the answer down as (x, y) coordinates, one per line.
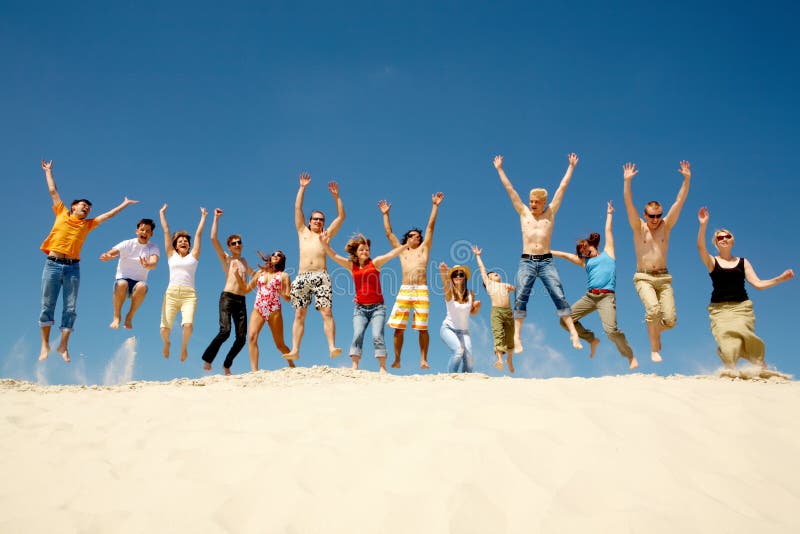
(655, 291)
(176, 298)
(503, 329)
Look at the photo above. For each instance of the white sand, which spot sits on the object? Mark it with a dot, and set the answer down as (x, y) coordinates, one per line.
(323, 450)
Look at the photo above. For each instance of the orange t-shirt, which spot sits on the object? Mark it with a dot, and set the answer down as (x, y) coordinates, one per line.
(68, 233)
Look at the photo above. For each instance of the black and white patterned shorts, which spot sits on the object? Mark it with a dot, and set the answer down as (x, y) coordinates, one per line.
(306, 285)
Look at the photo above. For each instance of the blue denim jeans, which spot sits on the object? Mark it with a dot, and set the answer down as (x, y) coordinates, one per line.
(527, 273)
(460, 343)
(365, 315)
(55, 277)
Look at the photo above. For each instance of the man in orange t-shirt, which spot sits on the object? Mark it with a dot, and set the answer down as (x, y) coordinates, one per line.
(62, 268)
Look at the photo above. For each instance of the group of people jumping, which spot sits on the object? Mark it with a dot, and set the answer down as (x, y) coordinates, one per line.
(730, 310)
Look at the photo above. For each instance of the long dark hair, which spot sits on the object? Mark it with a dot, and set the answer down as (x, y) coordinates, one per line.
(593, 240)
(267, 266)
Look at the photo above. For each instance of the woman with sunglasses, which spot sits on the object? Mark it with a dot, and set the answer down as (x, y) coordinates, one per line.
(730, 310)
(273, 284)
(460, 303)
(370, 310)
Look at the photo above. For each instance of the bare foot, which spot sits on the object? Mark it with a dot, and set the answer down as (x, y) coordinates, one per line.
(395, 363)
(291, 355)
(207, 366)
(656, 357)
(383, 371)
(184, 354)
(634, 363)
(593, 347)
(115, 323)
(424, 364)
(165, 350)
(44, 352)
(64, 352)
(576, 342)
(227, 371)
(335, 351)
(510, 364)
(517, 346)
(128, 324)
(498, 365)
(354, 367)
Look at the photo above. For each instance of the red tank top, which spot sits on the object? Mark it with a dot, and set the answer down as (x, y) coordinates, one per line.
(367, 280)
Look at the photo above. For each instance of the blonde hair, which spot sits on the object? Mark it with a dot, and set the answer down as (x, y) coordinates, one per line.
(539, 192)
(722, 231)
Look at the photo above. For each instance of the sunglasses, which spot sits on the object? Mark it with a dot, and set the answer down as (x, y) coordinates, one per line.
(236, 242)
(654, 215)
(279, 254)
(458, 274)
(318, 219)
(720, 237)
(413, 235)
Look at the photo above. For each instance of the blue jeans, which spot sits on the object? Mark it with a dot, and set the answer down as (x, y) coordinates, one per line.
(460, 343)
(365, 315)
(527, 273)
(55, 277)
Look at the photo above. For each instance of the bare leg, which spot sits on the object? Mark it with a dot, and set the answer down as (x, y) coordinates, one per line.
(137, 297)
(62, 345)
(634, 363)
(165, 339)
(573, 334)
(45, 342)
(654, 332)
(187, 333)
(120, 290)
(398, 347)
(276, 327)
(498, 364)
(509, 356)
(593, 347)
(256, 324)
(355, 359)
(382, 363)
(298, 329)
(517, 334)
(330, 331)
(424, 342)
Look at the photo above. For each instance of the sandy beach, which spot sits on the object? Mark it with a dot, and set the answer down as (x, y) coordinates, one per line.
(331, 450)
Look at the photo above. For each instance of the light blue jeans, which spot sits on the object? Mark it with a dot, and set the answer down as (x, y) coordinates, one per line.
(460, 343)
(365, 315)
(55, 277)
(528, 271)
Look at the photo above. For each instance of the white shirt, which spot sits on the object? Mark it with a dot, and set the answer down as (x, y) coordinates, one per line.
(458, 314)
(128, 265)
(182, 269)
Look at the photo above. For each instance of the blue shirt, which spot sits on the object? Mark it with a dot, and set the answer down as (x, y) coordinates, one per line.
(601, 272)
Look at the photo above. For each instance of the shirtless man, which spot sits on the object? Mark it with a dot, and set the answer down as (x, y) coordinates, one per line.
(312, 279)
(137, 257)
(502, 316)
(536, 221)
(413, 294)
(231, 301)
(651, 241)
(62, 271)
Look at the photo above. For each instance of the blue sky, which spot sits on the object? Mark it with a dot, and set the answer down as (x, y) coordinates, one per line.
(223, 106)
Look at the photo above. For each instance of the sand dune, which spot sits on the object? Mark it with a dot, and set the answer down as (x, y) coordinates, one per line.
(330, 450)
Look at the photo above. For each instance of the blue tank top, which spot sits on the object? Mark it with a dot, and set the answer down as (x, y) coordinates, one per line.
(601, 272)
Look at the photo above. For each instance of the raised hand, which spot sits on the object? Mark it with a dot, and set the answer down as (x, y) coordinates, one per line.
(305, 179)
(47, 166)
(573, 159)
(128, 201)
(498, 162)
(476, 250)
(610, 208)
(203, 212)
(702, 215)
(324, 238)
(163, 209)
(437, 198)
(384, 206)
(686, 169)
(217, 212)
(629, 170)
(443, 267)
(333, 187)
(788, 274)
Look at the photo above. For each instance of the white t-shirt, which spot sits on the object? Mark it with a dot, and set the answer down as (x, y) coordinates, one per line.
(182, 269)
(128, 265)
(458, 313)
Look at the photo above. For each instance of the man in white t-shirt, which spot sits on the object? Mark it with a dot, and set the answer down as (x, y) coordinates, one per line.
(137, 257)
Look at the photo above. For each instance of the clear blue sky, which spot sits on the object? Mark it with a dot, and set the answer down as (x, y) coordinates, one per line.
(223, 106)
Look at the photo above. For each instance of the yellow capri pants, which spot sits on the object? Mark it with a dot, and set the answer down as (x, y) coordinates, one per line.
(176, 298)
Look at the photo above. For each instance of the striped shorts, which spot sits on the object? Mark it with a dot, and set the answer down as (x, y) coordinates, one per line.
(410, 297)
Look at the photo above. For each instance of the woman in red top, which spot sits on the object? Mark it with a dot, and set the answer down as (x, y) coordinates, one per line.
(370, 309)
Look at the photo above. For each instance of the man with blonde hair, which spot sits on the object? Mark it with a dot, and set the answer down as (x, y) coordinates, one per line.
(536, 221)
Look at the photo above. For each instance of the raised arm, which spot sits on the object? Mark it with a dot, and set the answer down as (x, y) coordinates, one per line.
(384, 206)
(512, 194)
(436, 199)
(574, 258)
(381, 260)
(299, 218)
(609, 246)
(629, 170)
(47, 167)
(325, 239)
(477, 251)
(683, 192)
(446, 287)
(702, 248)
(751, 276)
(162, 213)
(558, 197)
(333, 187)
(103, 217)
(215, 239)
(198, 234)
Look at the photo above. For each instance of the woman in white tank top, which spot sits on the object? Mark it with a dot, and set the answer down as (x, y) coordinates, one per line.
(460, 303)
(181, 294)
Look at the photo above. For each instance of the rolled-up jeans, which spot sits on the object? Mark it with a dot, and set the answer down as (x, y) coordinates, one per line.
(365, 315)
(55, 277)
(460, 342)
(527, 273)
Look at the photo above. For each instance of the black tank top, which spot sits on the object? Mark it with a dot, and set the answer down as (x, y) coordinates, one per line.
(728, 283)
